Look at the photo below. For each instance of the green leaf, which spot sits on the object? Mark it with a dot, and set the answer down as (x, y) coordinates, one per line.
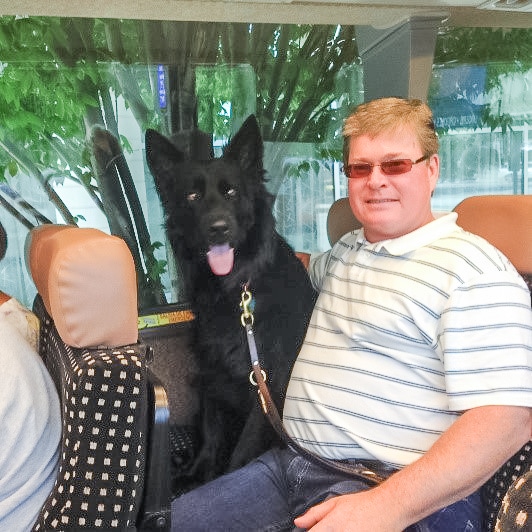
(12, 168)
(126, 144)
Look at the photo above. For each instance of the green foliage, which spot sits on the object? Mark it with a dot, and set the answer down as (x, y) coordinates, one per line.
(294, 75)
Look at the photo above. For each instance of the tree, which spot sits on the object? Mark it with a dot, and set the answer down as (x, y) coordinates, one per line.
(504, 52)
(59, 79)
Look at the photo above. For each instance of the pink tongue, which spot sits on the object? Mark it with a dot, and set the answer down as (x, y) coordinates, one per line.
(220, 259)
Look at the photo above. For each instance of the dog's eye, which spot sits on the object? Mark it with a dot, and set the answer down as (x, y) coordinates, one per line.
(230, 192)
(193, 196)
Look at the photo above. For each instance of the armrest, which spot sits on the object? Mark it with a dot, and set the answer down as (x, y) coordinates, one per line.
(155, 513)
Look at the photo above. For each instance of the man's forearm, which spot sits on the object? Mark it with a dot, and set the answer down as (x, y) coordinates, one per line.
(463, 458)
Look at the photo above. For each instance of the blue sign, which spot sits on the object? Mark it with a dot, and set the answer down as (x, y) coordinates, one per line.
(161, 86)
(460, 97)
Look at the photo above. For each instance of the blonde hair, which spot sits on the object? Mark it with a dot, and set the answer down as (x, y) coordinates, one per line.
(391, 114)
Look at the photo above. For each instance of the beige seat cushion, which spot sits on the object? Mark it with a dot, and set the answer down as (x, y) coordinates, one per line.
(504, 221)
(87, 281)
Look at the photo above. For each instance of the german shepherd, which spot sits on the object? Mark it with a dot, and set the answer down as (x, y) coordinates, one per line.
(221, 229)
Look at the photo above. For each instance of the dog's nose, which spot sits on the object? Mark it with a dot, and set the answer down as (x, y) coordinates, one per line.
(219, 230)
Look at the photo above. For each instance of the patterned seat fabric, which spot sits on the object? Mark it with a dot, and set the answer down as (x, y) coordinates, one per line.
(516, 510)
(103, 449)
(113, 463)
(497, 487)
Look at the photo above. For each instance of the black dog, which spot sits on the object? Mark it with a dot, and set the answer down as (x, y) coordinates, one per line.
(221, 228)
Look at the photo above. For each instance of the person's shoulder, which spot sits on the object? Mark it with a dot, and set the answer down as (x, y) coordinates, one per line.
(474, 248)
(16, 319)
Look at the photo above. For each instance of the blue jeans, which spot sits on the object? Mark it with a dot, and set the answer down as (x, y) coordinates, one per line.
(267, 494)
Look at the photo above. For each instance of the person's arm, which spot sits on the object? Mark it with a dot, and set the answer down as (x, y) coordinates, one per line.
(460, 461)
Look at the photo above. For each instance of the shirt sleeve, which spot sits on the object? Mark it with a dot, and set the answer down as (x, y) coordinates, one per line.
(485, 339)
(318, 267)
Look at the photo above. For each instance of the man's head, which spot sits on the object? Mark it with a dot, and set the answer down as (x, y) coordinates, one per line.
(389, 114)
(391, 160)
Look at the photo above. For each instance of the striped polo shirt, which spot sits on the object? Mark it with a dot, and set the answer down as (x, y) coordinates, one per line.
(406, 334)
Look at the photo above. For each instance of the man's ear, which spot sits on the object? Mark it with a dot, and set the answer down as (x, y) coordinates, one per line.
(434, 171)
(246, 145)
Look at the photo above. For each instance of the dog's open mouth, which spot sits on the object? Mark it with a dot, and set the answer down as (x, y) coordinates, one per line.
(220, 259)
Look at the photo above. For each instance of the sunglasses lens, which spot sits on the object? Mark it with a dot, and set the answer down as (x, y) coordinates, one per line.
(355, 171)
(396, 167)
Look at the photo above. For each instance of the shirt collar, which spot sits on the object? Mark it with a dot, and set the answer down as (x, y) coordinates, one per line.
(442, 226)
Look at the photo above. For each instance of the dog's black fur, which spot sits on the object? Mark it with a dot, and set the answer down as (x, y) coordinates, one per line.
(214, 203)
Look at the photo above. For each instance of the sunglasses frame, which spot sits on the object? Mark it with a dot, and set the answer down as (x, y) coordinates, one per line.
(383, 167)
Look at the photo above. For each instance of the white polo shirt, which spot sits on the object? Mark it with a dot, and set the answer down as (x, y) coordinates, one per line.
(406, 334)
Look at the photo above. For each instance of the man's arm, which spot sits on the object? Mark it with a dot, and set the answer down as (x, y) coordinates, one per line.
(459, 462)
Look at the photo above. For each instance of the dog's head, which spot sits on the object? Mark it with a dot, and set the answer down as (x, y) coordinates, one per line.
(217, 207)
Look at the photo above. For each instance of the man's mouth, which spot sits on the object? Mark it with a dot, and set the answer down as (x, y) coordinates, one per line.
(381, 200)
(220, 258)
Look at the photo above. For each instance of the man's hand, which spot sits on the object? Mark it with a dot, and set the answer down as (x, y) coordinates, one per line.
(458, 463)
(356, 512)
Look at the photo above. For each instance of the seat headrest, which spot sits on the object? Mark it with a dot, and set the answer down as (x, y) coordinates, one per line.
(340, 220)
(87, 281)
(503, 220)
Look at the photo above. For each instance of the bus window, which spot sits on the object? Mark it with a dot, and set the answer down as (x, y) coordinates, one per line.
(483, 109)
(77, 94)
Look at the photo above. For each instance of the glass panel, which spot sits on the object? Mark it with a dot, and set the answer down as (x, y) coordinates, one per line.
(76, 96)
(481, 98)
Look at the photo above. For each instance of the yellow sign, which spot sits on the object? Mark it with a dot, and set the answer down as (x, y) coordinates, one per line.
(165, 318)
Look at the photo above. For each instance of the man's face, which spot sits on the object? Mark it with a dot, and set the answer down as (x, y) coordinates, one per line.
(389, 206)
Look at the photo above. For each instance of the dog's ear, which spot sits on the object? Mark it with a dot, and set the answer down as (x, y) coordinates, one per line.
(246, 146)
(161, 153)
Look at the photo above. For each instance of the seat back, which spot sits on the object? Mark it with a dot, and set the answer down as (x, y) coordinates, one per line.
(87, 307)
(506, 222)
(340, 220)
(503, 220)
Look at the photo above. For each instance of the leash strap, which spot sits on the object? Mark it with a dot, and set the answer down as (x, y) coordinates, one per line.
(258, 378)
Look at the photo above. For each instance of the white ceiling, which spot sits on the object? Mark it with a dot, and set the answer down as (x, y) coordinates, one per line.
(379, 13)
(504, 5)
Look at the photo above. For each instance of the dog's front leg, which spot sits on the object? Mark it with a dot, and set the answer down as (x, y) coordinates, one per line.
(211, 459)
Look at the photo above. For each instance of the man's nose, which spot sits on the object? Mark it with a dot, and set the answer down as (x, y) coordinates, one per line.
(376, 178)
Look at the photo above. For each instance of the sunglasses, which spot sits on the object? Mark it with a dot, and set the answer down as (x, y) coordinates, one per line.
(393, 167)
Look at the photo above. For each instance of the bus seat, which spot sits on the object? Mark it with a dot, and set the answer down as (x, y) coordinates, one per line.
(506, 222)
(114, 450)
(503, 220)
(340, 220)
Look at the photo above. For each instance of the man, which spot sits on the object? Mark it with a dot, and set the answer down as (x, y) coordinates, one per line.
(417, 360)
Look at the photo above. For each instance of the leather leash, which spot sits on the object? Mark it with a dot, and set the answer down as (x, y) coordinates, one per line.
(258, 378)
